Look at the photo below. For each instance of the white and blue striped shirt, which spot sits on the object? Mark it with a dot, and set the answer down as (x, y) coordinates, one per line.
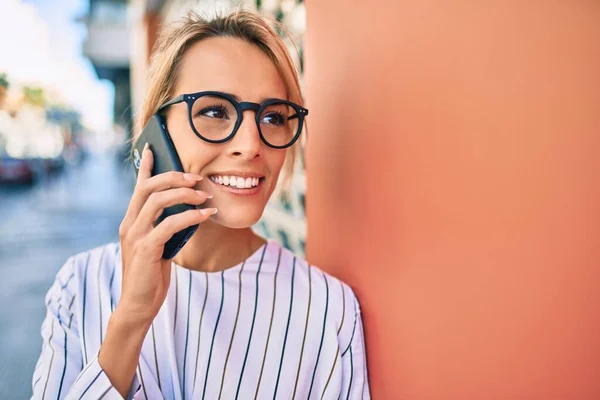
(272, 327)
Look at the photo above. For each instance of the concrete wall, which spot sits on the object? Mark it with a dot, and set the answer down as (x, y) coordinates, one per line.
(454, 181)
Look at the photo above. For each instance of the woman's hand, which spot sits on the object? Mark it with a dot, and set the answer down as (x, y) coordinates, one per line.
(146, 276)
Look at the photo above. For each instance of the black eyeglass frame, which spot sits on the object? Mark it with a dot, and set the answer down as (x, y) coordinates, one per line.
(240, 107)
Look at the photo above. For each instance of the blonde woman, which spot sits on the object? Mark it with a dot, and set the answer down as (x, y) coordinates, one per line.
(232, 316)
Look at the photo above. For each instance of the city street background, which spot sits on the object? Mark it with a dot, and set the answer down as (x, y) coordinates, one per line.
(41, 226)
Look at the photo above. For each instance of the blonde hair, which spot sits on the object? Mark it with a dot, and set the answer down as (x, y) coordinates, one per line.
(174, 40)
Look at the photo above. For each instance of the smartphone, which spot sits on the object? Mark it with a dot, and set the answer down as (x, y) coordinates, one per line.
(165, 159)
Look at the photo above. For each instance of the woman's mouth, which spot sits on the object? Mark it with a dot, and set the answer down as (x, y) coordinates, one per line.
(240, 185)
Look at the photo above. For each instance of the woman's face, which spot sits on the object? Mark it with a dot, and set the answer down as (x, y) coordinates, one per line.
(241, 69)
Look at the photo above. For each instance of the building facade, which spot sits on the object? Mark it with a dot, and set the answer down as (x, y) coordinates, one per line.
(108, 47)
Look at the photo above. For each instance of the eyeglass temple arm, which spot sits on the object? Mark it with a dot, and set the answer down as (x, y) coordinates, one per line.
(176, 100)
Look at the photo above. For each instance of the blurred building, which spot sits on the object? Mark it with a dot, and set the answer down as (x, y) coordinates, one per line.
(108, 47)
(284, 218)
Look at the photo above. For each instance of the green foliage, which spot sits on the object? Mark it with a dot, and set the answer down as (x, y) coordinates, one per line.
(34, 96)
(4, 81)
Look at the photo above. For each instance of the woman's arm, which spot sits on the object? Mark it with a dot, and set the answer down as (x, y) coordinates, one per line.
(120, 352)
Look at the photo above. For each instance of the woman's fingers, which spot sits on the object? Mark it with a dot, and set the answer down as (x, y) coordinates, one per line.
(164, 181)
(175, 223)
(147, 184)
(158, 201)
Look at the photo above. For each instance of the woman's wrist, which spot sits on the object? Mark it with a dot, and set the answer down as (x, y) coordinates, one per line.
(120, 352)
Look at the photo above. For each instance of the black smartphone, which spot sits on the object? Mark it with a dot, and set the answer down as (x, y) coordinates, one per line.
(165, 159)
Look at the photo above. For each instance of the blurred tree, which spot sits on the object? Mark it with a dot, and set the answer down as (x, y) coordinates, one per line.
(4, 85)
(34, 96)
(4, 81)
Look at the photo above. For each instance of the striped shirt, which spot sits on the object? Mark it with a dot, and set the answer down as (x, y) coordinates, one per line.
(271, 327)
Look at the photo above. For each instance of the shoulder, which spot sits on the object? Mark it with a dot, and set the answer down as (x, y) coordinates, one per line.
(327, 293)
(101, 260)
(96, 265)
(83, 272)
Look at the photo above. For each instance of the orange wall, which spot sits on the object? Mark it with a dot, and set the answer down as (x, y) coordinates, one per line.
(454, 182)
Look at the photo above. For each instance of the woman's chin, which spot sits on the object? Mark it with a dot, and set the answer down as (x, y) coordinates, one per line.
(236, 219)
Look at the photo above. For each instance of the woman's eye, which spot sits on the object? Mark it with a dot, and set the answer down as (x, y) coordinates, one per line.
(273, 119)
(215, 112)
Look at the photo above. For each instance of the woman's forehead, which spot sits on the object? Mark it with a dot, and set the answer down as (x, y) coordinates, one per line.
(230, 65)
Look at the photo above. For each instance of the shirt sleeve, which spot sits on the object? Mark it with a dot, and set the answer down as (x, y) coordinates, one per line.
(355, 382)
(59, 372)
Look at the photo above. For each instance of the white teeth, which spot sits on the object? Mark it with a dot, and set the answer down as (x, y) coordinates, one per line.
(236, 181)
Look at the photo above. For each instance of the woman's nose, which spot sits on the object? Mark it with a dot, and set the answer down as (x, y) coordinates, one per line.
(246, 143)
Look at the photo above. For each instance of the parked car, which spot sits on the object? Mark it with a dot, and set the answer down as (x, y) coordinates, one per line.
(17, 170)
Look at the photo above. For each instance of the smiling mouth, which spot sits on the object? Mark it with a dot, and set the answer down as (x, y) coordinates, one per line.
(237, 182)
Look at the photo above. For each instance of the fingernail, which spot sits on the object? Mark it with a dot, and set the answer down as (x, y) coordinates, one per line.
(146, 146)
(204, 194)
(208, 211)
(192, 177)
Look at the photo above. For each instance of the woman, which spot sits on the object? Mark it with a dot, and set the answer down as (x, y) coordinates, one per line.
(232, 316)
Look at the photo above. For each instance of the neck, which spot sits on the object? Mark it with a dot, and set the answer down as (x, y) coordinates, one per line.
(215, 248)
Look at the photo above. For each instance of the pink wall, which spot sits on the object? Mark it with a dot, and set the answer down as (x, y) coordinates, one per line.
(454, 182)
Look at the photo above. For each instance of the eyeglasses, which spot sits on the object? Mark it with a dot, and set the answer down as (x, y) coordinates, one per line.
(215, 117)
